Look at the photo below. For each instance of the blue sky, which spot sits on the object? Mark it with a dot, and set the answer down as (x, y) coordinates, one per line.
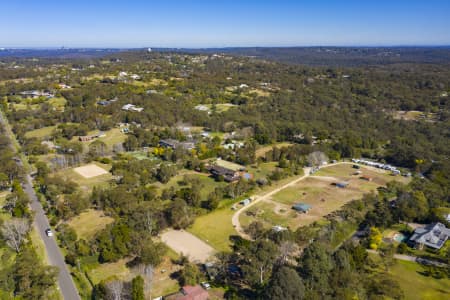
(197, 23)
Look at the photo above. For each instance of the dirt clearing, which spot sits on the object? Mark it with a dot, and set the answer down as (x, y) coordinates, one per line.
(90, 171)
(187, 244)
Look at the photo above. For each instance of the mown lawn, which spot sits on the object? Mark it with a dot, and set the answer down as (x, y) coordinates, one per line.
(417, 286)
(41, 132)
(215, 228)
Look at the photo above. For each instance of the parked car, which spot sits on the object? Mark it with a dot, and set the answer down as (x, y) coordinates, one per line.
(205, 285)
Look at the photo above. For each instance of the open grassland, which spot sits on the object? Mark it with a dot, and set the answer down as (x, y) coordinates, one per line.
(87, 184)
(112, 137)
(417, 286)
(88, 223)
(43, 132)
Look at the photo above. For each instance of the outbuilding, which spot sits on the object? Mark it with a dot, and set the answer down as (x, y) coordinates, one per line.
(301, 207)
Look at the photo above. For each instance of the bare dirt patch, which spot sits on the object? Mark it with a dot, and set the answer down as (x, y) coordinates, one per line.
(185, 243)
(90, 171)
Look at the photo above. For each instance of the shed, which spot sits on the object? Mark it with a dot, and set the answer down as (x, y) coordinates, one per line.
(301, 207)
(341, 184)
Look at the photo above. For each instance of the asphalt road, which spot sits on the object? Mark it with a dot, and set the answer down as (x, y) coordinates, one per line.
(65, 282)
(55, 257)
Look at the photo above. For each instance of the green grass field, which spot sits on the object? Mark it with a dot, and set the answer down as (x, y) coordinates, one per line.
(215, 228)
(41, 132)
(88, 223)
(108, 270)
(417, 286)
(262, 170)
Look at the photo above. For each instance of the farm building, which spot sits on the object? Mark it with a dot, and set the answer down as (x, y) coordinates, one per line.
(86, 138)
(432, 235)
(301, 207)
(341, 185)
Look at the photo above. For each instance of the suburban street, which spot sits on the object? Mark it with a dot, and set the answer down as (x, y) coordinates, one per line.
(54, 255)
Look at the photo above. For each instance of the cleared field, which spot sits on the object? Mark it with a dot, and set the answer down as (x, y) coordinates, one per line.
(207, 183)
(319, 192)
(113, 136)
(262, 170)
(41, 132)
(229, 165)
(417, 286)
(88, 223)
(187, 244)
(260, 152)
(345, 172)
(90, 171)
(105, 271)
(215, 228)
(86, 184)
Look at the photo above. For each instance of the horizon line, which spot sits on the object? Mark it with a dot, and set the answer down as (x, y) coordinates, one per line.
(3, 48)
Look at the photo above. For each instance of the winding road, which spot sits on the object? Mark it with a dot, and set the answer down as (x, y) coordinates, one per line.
(65, 283)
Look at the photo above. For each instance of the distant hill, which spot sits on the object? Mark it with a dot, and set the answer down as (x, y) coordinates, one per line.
(337, 56)
(56, 53)
(311, 56)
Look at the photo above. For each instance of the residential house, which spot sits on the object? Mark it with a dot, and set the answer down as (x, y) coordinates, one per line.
(433, 235)
(227, 174)
(132, 107)
(189, 292)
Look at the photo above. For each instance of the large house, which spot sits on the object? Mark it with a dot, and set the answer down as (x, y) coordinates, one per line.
(432, 235)
(171, 143)
(227, 174)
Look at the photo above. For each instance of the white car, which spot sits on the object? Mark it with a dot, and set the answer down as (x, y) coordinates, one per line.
(205, 285)
(49, 232)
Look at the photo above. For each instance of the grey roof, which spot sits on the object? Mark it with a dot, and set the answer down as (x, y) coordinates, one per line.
(301, 207)
(433, 235)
